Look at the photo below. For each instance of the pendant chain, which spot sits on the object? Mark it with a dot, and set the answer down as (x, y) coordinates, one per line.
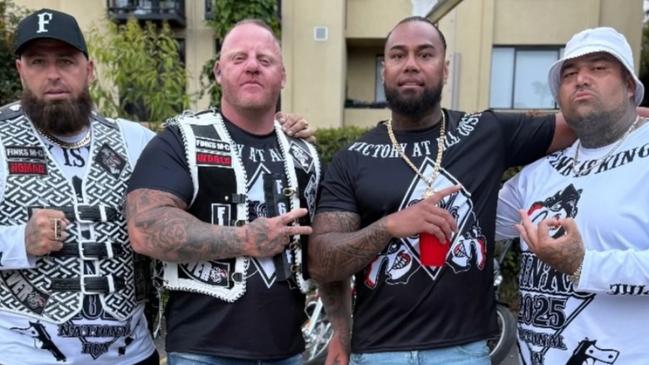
(67, 145)
(438, 160)
(581, 171)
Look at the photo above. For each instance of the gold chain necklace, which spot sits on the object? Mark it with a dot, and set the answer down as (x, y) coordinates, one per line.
(67, 145)
(576, 172)
(438, 160)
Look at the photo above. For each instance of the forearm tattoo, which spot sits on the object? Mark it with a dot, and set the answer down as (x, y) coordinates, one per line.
(336, 297)
(338, 249)
(164, 230)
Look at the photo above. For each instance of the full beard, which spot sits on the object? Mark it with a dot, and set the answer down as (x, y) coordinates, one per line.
(58, 117)
(413, 107)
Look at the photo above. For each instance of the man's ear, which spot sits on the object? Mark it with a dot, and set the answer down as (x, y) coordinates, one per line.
(91, 70)
(19, 66)
(630, 82)
(217, 72)
(446, 64)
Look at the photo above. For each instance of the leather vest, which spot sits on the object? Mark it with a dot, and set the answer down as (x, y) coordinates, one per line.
(55, 288)
(220, 182)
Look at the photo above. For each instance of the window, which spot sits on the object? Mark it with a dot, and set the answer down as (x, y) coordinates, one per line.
(209, 10)
(379, 92)
(519, 77)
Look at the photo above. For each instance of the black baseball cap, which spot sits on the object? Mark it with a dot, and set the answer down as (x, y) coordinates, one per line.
(48, 23)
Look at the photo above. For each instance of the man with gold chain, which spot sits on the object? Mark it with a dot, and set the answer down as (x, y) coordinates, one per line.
(430, 173)
(222, 197)
(584, 275)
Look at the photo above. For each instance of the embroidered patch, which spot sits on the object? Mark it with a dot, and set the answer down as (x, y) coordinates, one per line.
(209, 272)
(27, 168)
(210, 159)
(24, 291)
(110, 160)
(25, 153)
(209, 144)
(221, 214)
(302, 157)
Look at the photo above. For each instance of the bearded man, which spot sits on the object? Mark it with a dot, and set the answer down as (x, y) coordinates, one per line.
(71, 288)
(424, 171)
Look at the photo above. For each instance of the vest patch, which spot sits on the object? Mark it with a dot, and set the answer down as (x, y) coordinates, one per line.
(110, 160)
(209, 272)
(301, 156)
(27, 168)
(211, 159)
(209, 144)
(25, 153)
(221, 214)
(24, 291)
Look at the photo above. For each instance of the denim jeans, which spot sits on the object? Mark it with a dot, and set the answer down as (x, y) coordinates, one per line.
(475, 353)
(183, 358)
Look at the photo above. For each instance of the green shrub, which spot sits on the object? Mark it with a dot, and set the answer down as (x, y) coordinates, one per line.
(330, 140)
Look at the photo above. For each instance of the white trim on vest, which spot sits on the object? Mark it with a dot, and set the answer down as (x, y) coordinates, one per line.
(184, 122)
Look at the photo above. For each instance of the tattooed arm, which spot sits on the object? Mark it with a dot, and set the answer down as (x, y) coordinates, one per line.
(338, 248)
(336, 297)
(159, 226)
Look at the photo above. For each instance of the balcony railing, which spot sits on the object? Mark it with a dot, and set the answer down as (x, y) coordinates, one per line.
(172, 11)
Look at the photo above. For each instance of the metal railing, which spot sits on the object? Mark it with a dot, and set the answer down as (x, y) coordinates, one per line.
(172, 11)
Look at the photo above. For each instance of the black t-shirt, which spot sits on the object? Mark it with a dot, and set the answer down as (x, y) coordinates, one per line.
(401, 305)
(265, 322)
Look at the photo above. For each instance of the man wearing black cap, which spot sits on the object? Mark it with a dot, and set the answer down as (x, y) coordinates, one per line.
(71, 289)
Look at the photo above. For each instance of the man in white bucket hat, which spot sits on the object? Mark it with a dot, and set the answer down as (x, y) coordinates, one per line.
(581, 213)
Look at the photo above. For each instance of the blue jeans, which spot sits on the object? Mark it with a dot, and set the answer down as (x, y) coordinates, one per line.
(475, 353)
(183, 358)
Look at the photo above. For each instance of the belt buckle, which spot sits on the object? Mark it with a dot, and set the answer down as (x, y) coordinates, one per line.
(82, 253)
(109, 280)
(77, 213)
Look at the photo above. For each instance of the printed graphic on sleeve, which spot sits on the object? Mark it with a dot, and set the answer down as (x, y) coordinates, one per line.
(548, 300)
(400, 259)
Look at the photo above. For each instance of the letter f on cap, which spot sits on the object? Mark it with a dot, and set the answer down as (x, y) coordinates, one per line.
(43, 19)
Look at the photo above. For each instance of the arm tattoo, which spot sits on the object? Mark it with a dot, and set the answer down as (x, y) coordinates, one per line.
(338, 249)
(160, 227)
(337, 299)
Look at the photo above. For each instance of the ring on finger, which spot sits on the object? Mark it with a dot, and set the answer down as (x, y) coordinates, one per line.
(57, 228)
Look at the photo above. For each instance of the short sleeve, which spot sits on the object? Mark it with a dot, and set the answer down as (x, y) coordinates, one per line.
(163, 166)
(527, 138)
(337, 193)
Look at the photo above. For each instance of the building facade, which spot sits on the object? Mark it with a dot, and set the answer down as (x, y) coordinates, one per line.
(499, 51)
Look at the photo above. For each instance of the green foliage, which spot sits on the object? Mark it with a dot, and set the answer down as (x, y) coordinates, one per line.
(226, 14)
(330, 140)
(10, 87)
(144, 66)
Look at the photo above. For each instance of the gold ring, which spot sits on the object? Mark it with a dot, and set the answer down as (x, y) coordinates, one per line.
(56, 227)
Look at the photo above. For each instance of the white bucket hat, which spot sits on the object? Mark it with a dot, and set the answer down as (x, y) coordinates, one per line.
(603, 39)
